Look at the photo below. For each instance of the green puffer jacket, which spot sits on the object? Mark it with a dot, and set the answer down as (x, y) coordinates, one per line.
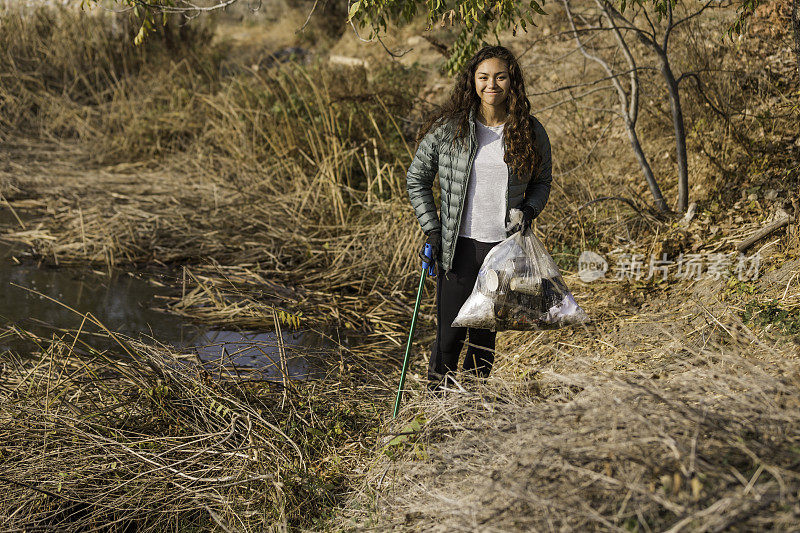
(437, 152)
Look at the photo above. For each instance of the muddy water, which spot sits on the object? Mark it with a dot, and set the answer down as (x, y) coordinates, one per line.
(36, 299)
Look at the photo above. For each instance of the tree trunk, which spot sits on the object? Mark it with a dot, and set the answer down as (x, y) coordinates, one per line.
(629, 109)
(680, 131)
(796, 25)
(661, 205)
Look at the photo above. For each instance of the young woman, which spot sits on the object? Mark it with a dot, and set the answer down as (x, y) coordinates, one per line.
(492, 155)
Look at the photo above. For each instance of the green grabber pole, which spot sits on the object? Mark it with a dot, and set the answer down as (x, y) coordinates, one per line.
(429, 270)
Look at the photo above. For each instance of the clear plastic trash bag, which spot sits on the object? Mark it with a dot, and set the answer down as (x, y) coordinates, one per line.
(519, 287)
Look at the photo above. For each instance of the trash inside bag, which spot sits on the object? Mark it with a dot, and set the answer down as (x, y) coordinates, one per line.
(519, 287)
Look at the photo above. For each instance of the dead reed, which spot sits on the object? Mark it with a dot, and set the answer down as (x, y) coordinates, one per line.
(705, 442)
(284, 189)
(296, 174)
(63, 69)
(137, 437)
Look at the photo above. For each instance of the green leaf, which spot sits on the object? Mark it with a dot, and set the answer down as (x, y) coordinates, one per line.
(398, 440)
(536, 7)
(139, 36)
(353, 9)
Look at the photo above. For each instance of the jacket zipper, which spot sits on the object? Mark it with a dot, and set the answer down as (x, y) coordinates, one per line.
(508, 187)
(473, 149)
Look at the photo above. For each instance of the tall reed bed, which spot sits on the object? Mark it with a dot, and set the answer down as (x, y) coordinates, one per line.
(331, 129)
(296, 172)
(135, 438)
(286, 176)
(58, 64)
(311, 157)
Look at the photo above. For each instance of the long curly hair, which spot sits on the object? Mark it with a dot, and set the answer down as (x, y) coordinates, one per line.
(518, 134)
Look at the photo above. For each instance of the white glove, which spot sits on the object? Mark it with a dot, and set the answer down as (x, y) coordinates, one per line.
(514, 218)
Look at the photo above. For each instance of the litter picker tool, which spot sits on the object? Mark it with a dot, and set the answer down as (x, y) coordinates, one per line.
(427, 268)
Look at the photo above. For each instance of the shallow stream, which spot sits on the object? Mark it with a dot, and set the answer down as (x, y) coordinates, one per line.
(38, 299)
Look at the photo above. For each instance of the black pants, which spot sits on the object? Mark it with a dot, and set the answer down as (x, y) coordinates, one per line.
(451, 293)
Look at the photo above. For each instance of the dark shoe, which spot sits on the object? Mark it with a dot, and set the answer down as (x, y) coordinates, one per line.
(435, 391)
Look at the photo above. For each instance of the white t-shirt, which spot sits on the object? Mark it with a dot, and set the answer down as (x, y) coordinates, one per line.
(484, 215)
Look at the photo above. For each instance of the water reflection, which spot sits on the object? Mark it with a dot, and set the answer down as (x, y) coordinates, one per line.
(122, 303)
(261, 353)
(126, 304)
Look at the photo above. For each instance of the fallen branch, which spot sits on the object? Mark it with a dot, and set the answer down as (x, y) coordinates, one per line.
(764, 232)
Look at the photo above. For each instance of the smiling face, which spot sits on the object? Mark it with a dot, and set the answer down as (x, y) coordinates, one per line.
(492, 81)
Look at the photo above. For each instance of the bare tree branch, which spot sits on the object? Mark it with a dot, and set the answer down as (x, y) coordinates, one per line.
(573, 98)
(696, 13)
(623, 97)
(633, 108)
(649, 23)
(590, 83)
(643, 35)
(313, 8)
(392, 54)
(190, 7)
(556, 59)
(627, 110)
(358, 36)
(667, 31)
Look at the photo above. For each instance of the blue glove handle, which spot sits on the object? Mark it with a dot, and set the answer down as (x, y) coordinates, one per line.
(427, 264)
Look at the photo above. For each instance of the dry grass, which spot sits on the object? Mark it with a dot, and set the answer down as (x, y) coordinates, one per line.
(295, 170)
(702, 438)
(63, 70)
(136, 440)
(140, 437)
(284, 189)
